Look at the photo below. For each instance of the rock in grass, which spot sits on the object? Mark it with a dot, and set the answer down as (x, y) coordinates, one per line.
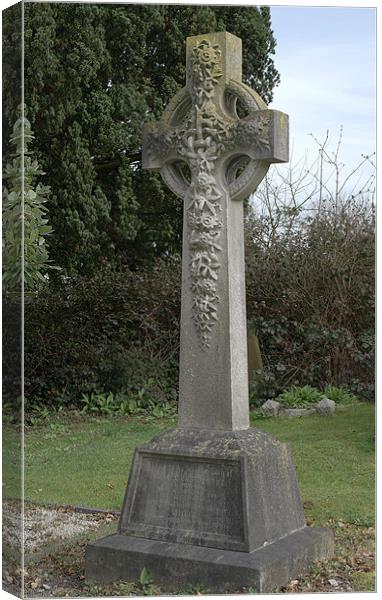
(271, 408)
(296, 412)
(325, 406)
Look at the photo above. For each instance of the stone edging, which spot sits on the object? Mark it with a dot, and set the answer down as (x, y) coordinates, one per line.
(67, 507)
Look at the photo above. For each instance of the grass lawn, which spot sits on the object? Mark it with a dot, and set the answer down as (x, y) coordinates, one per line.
(85, 461)
(334, 458)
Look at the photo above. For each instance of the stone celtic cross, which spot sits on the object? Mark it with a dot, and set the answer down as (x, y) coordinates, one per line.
(213, 146)
(213, 500)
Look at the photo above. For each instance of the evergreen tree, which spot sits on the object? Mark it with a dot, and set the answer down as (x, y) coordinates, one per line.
(94, 73)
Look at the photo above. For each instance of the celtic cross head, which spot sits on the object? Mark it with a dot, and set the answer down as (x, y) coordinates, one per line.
(215, 141)
(215, 124)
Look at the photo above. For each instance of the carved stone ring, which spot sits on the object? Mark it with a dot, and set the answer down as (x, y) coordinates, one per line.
(242, 173)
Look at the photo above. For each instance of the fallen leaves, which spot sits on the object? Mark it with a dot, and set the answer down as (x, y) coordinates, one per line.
(61, 573)
(65, 509)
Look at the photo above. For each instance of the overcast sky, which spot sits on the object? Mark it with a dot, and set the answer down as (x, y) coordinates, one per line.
(326, 57)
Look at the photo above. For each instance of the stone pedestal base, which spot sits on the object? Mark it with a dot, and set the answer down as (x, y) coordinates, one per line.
(220, 508)
(120, 557)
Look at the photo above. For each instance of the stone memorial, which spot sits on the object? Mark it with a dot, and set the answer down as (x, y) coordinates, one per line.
(212, 501)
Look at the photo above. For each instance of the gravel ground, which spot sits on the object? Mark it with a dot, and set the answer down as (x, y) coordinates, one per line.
(42, 525)
(48, 534)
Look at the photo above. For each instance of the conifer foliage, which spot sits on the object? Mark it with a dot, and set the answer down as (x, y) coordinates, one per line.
(94, 73)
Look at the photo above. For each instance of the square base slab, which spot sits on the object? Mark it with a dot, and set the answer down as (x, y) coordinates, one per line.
(121, 557)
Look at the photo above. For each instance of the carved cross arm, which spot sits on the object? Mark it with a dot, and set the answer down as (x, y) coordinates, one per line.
(159, 145)
(263, 135)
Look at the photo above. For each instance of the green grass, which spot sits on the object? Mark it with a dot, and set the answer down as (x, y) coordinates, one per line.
(86, 461)
(363, 582)
(334, 458)
(11, 452)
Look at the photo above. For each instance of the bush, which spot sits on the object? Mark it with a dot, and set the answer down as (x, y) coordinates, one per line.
(339, 395)
(297, 397)
(24, 201)
(114, 332)
(310, 299)
(310, 283)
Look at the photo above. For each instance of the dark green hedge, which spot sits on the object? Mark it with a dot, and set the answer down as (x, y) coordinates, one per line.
(113, 331)
(310, 298)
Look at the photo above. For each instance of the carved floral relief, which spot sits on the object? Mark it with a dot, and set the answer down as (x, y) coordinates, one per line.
(200, 141)
(205, 141)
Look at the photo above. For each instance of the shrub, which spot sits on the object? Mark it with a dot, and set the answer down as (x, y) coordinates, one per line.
(310, 299)
(310, 282)
(114, 332)
(339, 395)
(120, 328)
(297, 397)
(24, 202)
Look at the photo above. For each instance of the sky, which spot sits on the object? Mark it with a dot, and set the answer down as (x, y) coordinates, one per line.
(326, 57)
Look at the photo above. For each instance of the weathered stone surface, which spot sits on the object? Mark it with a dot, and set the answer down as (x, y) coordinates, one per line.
(121, 557)
(325, 406)
(200, 129)
(230, 490)
(271, 407)
(296, 412)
